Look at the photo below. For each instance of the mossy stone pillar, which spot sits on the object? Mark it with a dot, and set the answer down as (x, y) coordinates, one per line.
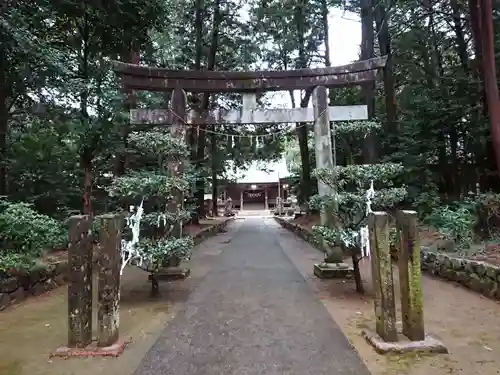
(80, 282)
(410, 278)
(108, 317)
(383, 285)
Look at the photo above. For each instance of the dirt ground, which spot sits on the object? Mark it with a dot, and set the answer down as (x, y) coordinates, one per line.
(465, 321)
(33, 329)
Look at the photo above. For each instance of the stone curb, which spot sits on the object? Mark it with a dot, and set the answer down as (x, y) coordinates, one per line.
(211, 231)
(478, 276)
(14, 289)
(300, 231)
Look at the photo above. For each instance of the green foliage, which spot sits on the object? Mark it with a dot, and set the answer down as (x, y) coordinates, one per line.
(25, 232)
(347, 206)
(159, 143)
(160, 251)
(15, 262)
(147, 184)
(350, 127)
(455, 222)
(152, 219)
(351, 183)
(332, 236)
(360, 175)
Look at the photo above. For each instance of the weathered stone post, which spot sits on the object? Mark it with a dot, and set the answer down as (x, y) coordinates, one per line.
(323, 143)
(410, 278)
(385, 340)
(385, 309)
(324, 160)
(109, 280)
(80, 282)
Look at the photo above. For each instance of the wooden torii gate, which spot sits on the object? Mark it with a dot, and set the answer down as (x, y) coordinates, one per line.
(137, 77)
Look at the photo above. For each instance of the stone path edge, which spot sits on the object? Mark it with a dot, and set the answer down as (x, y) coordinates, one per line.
(300, 231)
(211, 230)
(480, 277)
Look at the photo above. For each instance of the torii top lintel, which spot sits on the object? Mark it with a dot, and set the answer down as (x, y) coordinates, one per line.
(137, 77)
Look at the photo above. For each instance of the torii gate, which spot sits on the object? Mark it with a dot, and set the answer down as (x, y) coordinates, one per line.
(137, 77)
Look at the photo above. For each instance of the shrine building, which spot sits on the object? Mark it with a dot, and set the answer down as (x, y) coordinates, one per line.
(258, 195)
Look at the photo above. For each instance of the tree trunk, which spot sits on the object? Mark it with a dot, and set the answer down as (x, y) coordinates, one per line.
(368, 89)
(87, 147)
(382, 21)
(4, 126)
(215, 182)
(4, 119)
(86, 159)
(490, 75)
(357, 274)
(326, 31)
(130, 98)
(198, 26)
(302, 134)
(200, 154)
(460, 36)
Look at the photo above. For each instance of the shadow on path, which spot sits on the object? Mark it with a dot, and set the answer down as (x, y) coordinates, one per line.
(252, 314)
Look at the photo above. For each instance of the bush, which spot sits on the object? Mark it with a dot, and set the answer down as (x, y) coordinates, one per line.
(456, 222)
(19, 262)
(26, 232)
(157, 252)
(487, 207)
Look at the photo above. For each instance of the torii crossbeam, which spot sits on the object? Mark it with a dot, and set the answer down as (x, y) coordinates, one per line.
(137, 77)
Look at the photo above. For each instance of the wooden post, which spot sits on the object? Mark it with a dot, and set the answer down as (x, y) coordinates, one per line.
(241, 200)
(178, 106)
(410, 278)
(385, 309)
(109, 280)
(80, 282)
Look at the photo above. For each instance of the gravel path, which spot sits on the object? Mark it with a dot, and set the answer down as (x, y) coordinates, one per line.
(253, 314)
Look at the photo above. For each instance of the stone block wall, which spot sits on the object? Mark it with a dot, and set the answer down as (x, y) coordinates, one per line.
(478, 276)
(299, 230)
(16, 288)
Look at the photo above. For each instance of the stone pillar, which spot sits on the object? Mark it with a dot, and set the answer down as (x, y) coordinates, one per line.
(265, 196)
(109, 280)
(80, 282)
(322, 138)
(385, 309)
(177, 129)
(241, 200)
(324, 160)
(410, 278)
